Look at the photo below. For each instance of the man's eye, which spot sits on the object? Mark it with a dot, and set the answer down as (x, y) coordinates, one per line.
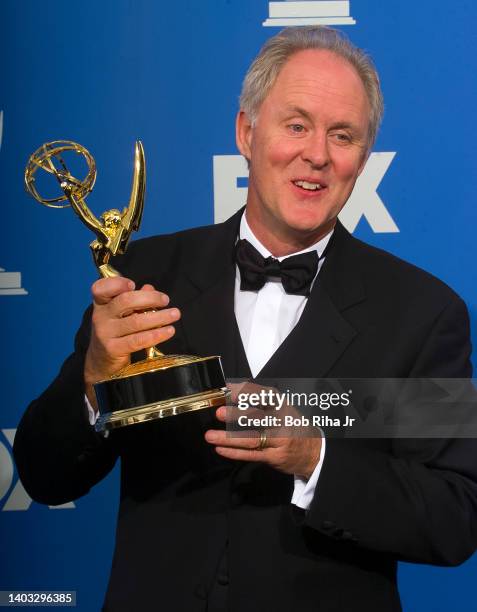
(342, 137)
(297, 128)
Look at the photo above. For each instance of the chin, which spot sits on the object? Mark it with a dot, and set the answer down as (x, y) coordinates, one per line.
(306, 223)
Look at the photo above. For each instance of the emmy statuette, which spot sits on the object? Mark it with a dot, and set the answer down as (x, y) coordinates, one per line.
(159, 385)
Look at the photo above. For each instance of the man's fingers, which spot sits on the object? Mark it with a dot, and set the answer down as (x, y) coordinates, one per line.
(223, 415)
(130, 344)
(143, 321)
(125, 321)
(221, 438)
(105, 289)
(231, 414)
(239, 454)
(131, 301)
(289, 455)
(236, 389)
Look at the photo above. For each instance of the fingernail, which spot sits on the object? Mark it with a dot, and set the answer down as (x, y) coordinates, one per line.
(211, 436)
(165, 299)
(131, 285)
(174, 313)
(168, 329)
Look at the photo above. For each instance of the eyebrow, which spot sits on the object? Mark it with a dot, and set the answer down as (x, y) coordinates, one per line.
(300, 111)
(344, 125)
(336, 126)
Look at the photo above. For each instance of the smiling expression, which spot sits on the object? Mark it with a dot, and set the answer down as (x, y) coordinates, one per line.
(306, 149)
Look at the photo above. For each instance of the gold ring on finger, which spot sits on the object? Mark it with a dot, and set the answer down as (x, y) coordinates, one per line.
(263, 440)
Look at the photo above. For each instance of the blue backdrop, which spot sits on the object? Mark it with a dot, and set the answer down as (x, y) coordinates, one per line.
(105, 73)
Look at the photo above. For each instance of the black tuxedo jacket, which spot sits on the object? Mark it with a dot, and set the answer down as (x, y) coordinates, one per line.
(184, 510)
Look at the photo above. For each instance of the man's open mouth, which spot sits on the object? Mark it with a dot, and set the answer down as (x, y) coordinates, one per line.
(309, 186)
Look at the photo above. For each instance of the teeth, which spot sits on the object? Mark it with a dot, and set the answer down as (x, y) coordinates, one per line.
(307, 185)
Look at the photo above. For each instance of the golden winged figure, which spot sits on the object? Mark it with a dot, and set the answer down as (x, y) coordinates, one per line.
(114, 228)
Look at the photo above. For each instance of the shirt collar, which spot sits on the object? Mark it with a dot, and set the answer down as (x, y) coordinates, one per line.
(246, 233)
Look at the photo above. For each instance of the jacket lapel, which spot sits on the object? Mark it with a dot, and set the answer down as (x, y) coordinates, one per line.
(208, 319)
(323, 333)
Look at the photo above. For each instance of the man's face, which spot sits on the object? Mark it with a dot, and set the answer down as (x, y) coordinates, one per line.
(306, 150)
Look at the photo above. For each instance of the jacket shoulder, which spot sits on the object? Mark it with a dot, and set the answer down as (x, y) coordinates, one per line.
(384, 271)
(148, 258)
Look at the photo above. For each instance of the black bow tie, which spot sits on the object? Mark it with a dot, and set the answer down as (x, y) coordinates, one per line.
(296, 272)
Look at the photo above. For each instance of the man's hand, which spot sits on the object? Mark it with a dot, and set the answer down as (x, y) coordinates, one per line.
(124, 321)
(291, 451)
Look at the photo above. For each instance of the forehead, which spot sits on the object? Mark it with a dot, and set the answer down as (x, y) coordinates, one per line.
(319, 80)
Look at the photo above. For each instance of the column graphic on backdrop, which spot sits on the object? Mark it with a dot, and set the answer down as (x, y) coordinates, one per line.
(16, 496)
(308, 12)
(10, 282)
(230, 192)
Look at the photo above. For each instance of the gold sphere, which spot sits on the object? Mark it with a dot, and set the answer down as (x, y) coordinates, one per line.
(43, 158)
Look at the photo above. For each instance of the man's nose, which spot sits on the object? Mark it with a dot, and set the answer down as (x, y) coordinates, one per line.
(316, 150)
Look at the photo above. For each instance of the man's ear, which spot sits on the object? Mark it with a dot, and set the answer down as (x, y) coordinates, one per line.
(243, 134)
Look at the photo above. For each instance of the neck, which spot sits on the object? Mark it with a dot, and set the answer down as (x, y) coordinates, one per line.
(282, 243)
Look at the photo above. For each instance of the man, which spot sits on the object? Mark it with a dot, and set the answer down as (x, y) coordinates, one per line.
(213, 523)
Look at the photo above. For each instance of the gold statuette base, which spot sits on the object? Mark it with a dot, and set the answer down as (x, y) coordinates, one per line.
(161, 410)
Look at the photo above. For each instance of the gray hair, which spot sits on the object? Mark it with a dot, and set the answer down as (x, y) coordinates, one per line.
(277, 50)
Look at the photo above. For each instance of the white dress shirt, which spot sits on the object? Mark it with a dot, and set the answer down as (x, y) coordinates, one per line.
(265, 318)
